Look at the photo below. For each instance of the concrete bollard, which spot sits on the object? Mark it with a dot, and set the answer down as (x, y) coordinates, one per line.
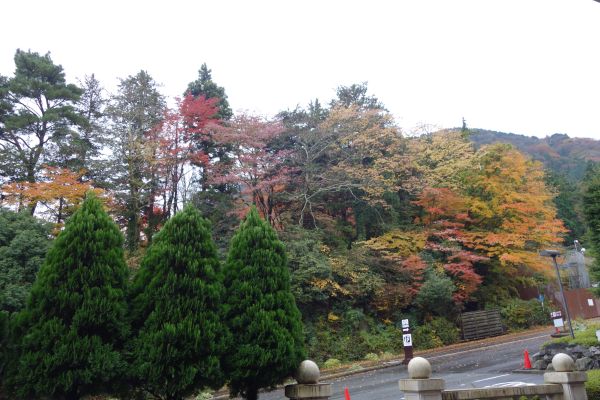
(419, 385)
(308, 386)
(573, 382)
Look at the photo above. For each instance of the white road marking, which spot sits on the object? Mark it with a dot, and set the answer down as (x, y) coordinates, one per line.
(493, 377)
(509, 384)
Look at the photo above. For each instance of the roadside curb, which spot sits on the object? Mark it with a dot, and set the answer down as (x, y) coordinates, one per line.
(529, 371)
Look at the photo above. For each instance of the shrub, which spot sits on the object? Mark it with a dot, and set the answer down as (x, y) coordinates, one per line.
(204, 395)
(326, 340)
(424, 337)
(592, 386)
(434, 334)
(332, 363)
(445, 330)
(521, 314)
(380, 339)
(371, 357)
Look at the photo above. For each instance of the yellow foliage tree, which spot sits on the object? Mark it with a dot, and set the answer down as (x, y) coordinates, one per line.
(511, 208)
(371, 154)
(442, 158)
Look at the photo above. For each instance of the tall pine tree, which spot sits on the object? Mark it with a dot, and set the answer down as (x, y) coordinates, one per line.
(261, 310)
(69, 339)
(180, 338)
(38, 117)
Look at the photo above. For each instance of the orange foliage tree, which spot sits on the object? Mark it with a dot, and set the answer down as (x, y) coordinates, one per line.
(59, 190)
(445, 220)
(511, 208)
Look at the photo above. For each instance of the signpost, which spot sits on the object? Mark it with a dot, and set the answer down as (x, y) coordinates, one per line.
(407, 341)
(558, 321)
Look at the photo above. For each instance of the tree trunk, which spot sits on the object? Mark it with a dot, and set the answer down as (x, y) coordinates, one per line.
(59, 217)
(252, 393)
(71, 395)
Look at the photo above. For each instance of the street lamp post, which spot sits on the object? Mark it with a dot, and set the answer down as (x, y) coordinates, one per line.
(554, 254)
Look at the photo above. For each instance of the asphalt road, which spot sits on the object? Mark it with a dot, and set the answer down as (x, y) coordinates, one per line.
(482, 366)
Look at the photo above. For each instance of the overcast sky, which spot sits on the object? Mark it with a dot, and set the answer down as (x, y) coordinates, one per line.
(524, 66)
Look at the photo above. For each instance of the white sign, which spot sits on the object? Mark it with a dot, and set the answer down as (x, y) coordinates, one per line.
(558, 323)
(404, 323)
(591, 302)
(555, 314)
(407, 340)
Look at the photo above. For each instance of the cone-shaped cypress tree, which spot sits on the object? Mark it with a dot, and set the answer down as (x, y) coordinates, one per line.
(73, 328)
(261, 311)
(179, 334)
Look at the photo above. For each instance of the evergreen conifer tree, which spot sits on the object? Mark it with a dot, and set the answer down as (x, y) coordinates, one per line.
(70, 336)
(179, 334)
(261, 310)
(591, 208)
(205, 86)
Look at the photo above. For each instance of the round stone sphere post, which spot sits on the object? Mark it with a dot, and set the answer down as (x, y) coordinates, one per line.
(308, 386)
(573, 382)
(419, 385)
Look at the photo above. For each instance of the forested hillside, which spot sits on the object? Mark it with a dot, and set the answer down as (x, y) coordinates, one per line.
(559, 152)
(378, 226)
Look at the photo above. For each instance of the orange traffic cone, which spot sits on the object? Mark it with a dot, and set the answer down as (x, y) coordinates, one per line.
(347, 394)
(527, 360)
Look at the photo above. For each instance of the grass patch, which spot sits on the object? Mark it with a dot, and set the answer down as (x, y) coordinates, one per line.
(585, 337)
(592, 386)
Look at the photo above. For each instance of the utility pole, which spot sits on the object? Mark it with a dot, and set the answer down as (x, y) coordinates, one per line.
(554, 254)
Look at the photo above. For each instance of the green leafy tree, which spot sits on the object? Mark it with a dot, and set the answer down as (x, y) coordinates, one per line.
(23, 244)
(356, 95)
(3, 344)
(205, 86)
(591, 207)
(70, 336)
(179, 334)
(261, 311)
(37, 114)
(568, 203)
(311, 275)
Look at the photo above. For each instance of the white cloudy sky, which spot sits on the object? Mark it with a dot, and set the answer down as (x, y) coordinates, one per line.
(522, 66)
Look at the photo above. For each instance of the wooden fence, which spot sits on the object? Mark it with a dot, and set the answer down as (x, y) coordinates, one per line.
(481, 324)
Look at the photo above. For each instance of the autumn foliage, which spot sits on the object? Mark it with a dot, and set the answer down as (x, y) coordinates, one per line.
(58, 190)
(378, 224)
